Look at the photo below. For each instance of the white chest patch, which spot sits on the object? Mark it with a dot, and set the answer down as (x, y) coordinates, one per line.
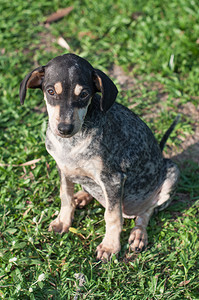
(74, 160)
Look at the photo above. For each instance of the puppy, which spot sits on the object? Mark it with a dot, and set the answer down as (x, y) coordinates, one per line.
(103, 146)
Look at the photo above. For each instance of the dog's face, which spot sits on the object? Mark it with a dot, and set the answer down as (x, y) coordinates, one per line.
(68, 89)
(69, 84)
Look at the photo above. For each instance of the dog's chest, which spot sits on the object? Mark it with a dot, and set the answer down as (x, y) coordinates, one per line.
(73, 159)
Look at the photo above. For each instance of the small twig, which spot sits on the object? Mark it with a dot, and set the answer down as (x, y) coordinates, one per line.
(41, 217)
(53, 284)
(28, 163)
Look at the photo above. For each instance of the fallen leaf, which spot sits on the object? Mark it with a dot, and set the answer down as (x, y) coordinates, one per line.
(58, 15)
(62, 42)
(27, 211)
(86, 33)
(183, 283)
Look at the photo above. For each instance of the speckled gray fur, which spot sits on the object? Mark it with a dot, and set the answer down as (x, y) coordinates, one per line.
(127, 148)
(103, 146)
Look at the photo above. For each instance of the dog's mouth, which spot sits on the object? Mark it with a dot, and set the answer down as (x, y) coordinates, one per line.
(65, 136)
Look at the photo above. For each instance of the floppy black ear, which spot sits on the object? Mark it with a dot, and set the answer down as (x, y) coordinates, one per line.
(108, 89)
(32, 80)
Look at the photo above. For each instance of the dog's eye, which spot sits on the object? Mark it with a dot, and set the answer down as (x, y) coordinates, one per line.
(84, 94)
(51, 92)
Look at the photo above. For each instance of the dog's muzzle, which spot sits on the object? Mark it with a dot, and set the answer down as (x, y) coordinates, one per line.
(65, 129)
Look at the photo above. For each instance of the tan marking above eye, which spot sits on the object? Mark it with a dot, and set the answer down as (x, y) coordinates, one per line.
(58, 87)
(78, 89)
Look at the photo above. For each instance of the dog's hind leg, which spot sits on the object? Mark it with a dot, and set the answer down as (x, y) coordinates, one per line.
(138, 239)
(168, 188)
(82, 198)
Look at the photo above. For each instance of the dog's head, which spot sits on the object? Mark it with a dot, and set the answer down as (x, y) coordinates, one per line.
(69, 83)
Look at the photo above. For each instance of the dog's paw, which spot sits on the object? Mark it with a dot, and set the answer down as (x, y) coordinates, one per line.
(82, 198)
(138, 239)
(106, 250)
(58, 226)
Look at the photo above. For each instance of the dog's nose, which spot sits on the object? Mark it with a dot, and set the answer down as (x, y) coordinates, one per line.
(65, 129)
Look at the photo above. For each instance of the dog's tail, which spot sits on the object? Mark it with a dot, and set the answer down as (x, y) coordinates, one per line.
(168, 132)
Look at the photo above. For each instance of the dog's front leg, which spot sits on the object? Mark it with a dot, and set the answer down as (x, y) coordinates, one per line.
(111, 242)
(64, 219)
(113, 219)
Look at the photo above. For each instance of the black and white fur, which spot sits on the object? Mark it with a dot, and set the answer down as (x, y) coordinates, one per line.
(103, 146)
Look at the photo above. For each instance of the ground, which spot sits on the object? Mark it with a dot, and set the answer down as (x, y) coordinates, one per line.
(150, 48)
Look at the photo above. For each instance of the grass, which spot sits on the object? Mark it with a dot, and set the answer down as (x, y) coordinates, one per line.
(154, 42)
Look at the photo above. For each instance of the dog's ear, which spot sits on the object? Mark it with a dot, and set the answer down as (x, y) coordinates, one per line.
(108, 89)
(32, 80)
